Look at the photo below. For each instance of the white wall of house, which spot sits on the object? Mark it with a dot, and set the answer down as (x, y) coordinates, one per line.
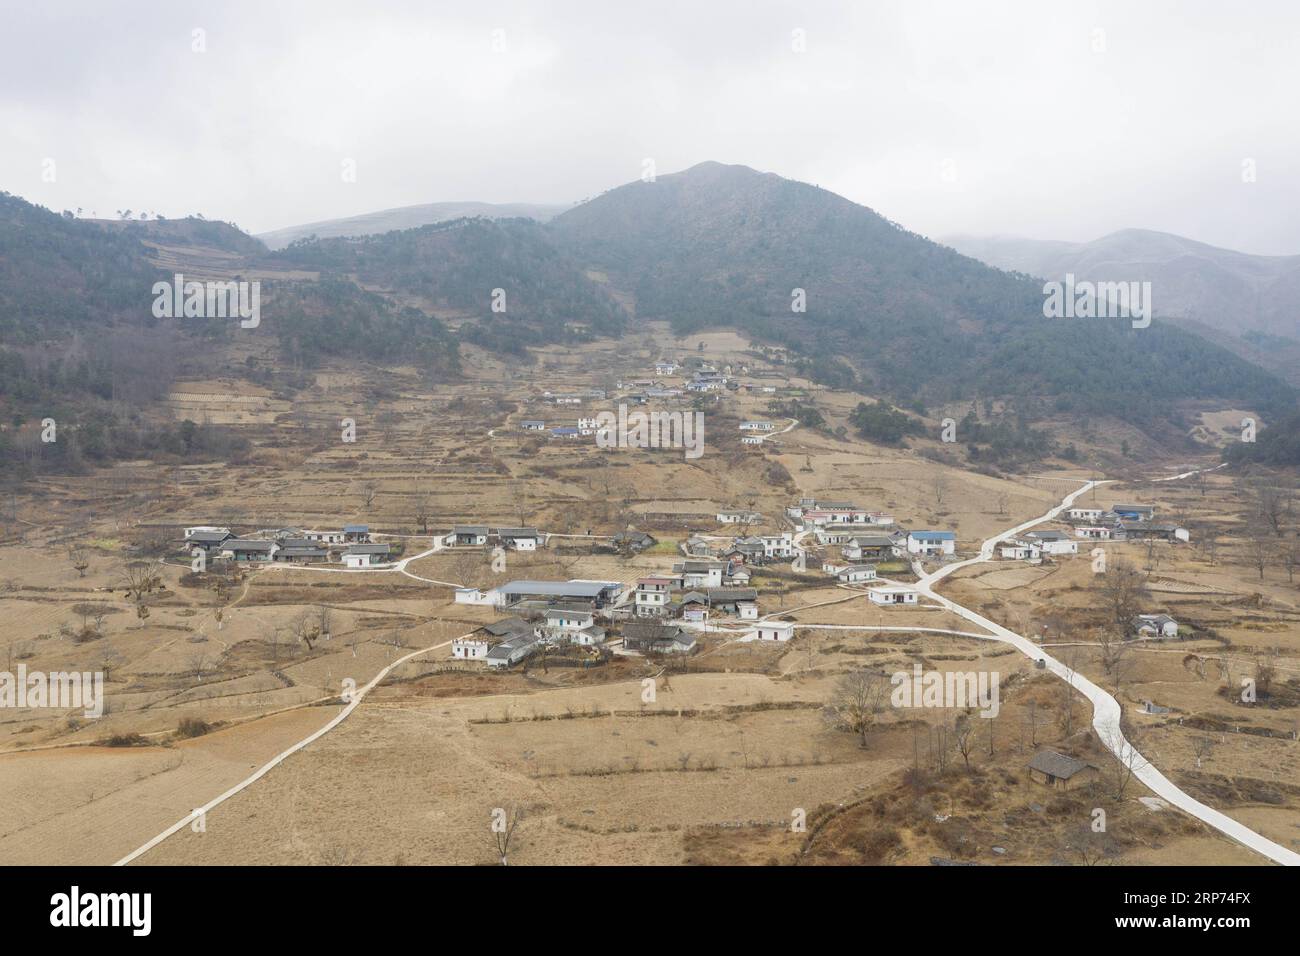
(1059, 547)
(893, 596)
(775, 631)
(928, 546)
(855, 575)
(469, 650)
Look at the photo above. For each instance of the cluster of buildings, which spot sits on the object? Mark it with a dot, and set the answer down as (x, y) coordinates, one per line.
(1119, 522)
(1033, 545)
(694, 590)
(350, 546)
(481, 536)
(1122, 522)
(562, 613)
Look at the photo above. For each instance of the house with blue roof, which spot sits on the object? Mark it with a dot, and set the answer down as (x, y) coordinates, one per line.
(931, 542)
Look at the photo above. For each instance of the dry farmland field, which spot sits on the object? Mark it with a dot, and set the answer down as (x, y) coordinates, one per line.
(732, 755)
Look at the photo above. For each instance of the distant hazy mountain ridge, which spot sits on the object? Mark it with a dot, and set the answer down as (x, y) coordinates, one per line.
(1233, 292)
(406, 217)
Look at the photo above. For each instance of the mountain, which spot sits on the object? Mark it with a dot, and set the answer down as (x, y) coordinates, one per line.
(1229, 292)
(56, 271)
(407, 217)
(191, 232)
(453, 268)
(858, 300)
(899, 315)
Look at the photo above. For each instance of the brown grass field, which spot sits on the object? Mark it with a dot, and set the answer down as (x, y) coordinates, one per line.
(735, 745)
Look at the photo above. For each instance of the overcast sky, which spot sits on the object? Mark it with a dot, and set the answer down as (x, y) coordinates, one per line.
(1044, 119)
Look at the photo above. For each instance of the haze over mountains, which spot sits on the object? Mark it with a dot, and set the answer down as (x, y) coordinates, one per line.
(859, 301)
(1230, 291)
(407, 217)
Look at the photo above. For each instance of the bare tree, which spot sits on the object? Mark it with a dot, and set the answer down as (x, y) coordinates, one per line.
(857, 702)
(1202, 746)
(1126, 764)
(503, 830)
(1067, 692)
(368, 492)
(305, 628)
(1259, 547)
(939, 485)
(422, 508)
(963, 735)
(1265, 673)
(80, 560)
(1123, 594)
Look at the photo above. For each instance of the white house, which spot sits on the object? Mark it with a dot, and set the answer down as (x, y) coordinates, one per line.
(587, 636)
(775, 631)
(1089, 515)
(567, 620)
(325, 537)
(747, 610)
(751, 439)
(520, 539)
(738, 517)
(533, 425)
(365, 555)
(470, 648)
(651, 595)
(701, 574)
(248, 549)
(473, 596)
(738, 576)
(1053, 542)
(205, 529)
(467, 535)
(778, 545)
(894, 594)
(1155, 626)
(857, 573)
(512, 651)
(1096, 533)
(1019, 550)
(756, 426)
(931, 542)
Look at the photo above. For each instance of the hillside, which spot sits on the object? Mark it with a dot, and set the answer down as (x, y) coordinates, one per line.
(1225, 290)
(406, 217)
(725, 246)
(453, 268)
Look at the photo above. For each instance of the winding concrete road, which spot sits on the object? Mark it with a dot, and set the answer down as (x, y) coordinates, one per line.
(1106, 709)
(278, 759)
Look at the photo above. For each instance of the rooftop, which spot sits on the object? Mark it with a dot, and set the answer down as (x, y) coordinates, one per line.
(1056, 765)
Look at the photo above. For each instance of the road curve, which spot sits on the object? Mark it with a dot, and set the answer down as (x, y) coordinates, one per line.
(278, 759)
(1105, 708)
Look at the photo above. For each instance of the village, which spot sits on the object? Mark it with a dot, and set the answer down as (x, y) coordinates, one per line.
(530, 593)
(707, 591)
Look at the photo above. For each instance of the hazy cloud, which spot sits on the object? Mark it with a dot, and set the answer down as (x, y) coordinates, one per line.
(947, 117)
